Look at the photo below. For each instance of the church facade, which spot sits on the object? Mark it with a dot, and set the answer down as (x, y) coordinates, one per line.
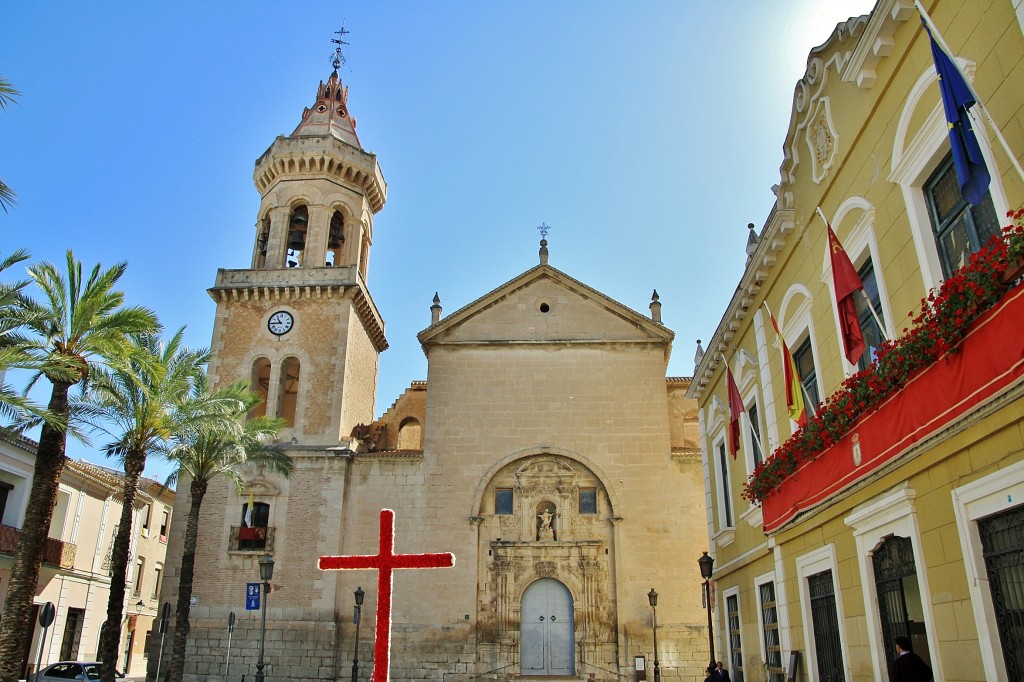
(547, 450)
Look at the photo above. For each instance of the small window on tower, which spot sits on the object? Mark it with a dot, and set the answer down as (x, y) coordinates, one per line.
(259, 383)
(288, 392)
(503, 501)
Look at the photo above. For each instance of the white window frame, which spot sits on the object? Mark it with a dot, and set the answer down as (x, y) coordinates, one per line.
(915, 156)
(822, 559)
(997, 492)
(794, 324)
(758, 581)
(733, 591)
(860, 244)
(891, 513)
(724, 534)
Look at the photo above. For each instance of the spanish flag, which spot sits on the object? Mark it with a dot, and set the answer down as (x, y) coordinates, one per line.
(794, 390)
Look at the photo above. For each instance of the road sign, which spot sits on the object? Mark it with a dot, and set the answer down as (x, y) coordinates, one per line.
(47, 614)
(252, 596)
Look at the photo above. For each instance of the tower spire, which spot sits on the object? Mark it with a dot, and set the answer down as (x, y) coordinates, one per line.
(329, 115)
(337, 58)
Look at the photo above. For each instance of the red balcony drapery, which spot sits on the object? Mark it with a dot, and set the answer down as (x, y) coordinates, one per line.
(989, 361)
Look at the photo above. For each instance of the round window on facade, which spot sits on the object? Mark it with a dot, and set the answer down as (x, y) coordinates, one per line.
(544, 308)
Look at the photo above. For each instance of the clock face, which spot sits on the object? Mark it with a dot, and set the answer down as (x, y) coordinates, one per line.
(280, 322)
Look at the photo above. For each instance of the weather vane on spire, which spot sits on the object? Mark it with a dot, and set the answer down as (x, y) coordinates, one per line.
(543, 227)
(337, 58)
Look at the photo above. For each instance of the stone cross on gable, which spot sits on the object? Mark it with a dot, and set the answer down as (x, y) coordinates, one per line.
(385, 561)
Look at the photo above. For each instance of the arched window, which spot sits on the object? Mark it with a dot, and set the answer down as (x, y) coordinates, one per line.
(297, 224)
(409, 434)
(335, 239)
(259, 383)
(288, 391)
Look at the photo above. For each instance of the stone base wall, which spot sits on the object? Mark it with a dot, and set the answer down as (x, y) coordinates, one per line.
(308, 650)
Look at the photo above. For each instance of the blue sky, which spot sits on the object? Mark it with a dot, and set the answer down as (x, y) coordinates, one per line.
(646, 134)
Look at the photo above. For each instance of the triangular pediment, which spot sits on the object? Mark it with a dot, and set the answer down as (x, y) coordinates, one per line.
(544, 305)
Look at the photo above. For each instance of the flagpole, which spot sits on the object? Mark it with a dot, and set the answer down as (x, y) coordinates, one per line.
(977, 100)
(874, 314)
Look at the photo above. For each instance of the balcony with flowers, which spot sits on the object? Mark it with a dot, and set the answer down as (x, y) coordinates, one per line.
(963, 350)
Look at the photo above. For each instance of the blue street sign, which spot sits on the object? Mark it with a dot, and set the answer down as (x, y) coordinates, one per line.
(252, 596)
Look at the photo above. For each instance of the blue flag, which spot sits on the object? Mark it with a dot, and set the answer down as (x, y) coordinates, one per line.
(956, 100)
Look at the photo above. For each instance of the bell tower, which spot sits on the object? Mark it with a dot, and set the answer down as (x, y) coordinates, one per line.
(300, 323)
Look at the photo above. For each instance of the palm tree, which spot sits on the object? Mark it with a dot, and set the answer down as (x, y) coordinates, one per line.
(138, 405)
(204, 453)
(7, 95)
(80, 323)
(13, 405)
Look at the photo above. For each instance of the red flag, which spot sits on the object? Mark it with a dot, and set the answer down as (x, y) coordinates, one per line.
(846, 282)
(794, 390)
(735, 412)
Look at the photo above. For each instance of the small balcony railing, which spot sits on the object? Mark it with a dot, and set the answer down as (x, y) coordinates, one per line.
(55, 552)
(244, 539)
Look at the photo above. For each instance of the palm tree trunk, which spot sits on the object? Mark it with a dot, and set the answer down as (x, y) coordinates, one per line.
(110, 635)
(188, 563)
(15, 628)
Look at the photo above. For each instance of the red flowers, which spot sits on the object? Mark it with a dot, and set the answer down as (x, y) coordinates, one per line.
(935, 331)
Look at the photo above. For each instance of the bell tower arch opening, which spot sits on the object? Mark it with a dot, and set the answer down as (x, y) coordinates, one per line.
(298, 224)
(335, 239)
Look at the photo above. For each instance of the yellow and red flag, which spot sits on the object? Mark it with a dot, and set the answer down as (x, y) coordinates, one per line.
(794, 389)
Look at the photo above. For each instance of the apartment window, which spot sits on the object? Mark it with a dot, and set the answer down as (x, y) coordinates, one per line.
(165, 523)
(868, 324)
(5, 489)
(157, 575)
(144, 515)
(72, 634)
(804, 359)
(755, 434)
(960, 228)
(140, 566)
(732, 610)
(503, 501)
(723, 480)
(770, 633)
(588, 500)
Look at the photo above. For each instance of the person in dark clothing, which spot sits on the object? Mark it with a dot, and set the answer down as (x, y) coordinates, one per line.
(713, 674)
(723, 674)
(908, 666)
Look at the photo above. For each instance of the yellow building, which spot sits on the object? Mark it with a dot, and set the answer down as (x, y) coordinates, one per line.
(908, 520)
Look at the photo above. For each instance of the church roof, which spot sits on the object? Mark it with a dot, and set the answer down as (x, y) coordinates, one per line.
(506, 315)
(329, 115)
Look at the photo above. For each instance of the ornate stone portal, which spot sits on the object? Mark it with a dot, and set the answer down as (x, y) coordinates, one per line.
(557, 526)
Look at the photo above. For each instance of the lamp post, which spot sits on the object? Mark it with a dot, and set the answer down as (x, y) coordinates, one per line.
(266, 573)
(357, 617)
(652, 597)
(707, 564)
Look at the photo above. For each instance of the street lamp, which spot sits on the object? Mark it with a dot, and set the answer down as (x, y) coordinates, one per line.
(357, 616)
(266, 573)
(652, 597)
(707, 564)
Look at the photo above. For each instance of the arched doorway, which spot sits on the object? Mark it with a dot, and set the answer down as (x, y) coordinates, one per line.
(546, 629)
